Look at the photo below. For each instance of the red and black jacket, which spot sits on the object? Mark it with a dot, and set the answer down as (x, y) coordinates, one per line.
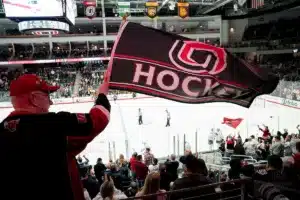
(38, 151)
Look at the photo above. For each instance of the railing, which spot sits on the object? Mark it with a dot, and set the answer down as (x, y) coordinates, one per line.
(241, 189)
(221, 190)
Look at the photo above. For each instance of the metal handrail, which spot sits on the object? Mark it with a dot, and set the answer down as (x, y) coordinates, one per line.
(242, 181)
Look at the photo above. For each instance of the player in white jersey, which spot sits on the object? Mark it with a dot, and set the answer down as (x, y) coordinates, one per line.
(115, 97)
(168, 118)
(140, 117)
(219, 136)
(211, 138)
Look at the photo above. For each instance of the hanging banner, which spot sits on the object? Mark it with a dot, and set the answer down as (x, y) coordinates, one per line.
(90, 8)
(183, 9)
(151, 8)
(123, 8)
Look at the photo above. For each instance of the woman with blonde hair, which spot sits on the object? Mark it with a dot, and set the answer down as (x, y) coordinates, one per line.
(152, 186)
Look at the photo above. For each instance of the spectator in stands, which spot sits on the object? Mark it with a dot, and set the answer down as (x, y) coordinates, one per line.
(148, 156)
(287, 146)
(152, 186)
(238, 148)
(82, 165)
(86, 194)
(121, 160)
(277, 147)
(266, 133)
(141, 170)
(131, 164)
(165, 177)
(108, 191)
(90, 182)
(195, 174)
(229, 145)
(235, 169)
(296, 159)
(293, 143)
(52, 134)
(262, 149)
(172, 167)
(99, 169)
(251, 148)
(273, 172)
(154, 167)
(115, 174)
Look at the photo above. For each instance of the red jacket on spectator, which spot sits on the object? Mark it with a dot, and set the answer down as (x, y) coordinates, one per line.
(266, 132)
(297, 161)
(131, 162)
(141, 170)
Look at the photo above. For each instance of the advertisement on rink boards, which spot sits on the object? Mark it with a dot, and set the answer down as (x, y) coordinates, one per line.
(180, 69)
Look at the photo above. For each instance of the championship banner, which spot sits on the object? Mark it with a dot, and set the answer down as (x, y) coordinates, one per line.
(183, 9)
(123, 8)
(170, 66)
(233, 123)
(90, 8)
(151, 8)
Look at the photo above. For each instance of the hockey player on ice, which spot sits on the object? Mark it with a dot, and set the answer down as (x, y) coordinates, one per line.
(211, 138)
(168, 118)
(140, 117)
(219, 136)
(115, 97)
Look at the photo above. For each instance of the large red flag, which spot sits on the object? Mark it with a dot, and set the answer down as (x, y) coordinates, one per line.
(232, 122)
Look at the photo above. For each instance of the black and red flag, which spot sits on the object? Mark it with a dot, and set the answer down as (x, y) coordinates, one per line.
(234, 123)
(170, 66)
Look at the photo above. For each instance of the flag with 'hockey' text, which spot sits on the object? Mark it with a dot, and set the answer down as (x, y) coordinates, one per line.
(170, 66)
(234, 123)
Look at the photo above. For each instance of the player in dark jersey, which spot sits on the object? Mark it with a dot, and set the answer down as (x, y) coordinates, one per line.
(140, 121)
(40, 146)
(115, 97)
(168, 118)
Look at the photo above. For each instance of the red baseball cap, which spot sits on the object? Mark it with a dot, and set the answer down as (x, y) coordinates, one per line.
(28, 83)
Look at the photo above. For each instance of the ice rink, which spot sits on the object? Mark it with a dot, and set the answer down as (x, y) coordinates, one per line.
(185, 119)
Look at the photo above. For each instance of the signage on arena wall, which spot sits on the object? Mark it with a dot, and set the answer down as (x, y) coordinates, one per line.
(123, 8)
(64, 60)
(183, 9)
(90, 8)
(151, 8)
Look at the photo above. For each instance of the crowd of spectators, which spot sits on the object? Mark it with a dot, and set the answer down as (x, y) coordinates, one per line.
(75, 79)
(24, 52)
(274, 35)
(277, 167)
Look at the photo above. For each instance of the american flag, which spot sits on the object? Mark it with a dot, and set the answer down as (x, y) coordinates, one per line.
(257, 3)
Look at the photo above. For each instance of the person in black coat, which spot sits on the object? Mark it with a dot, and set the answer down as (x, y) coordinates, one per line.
(239, 148)
(99, 169)
(172, 167)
